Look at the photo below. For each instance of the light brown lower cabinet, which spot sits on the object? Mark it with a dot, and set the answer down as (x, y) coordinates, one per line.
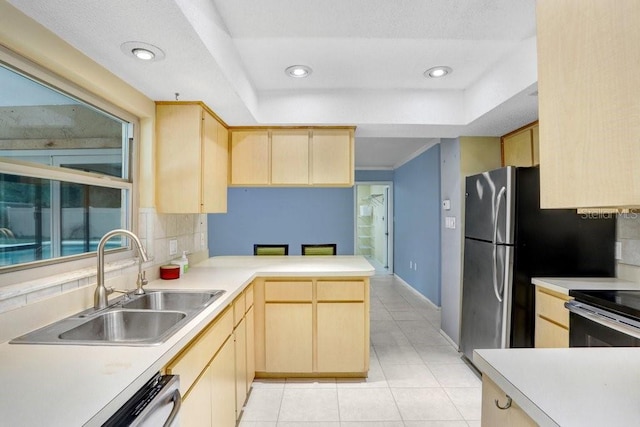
(207, 376)
(288, 337)
(211, 401)
(240, 339)
(552, 319)
(275, 327)
(509, 414)
(216, 369)
(223, 387)
(311, 327)
(197, 409)
(251, 352)
(244, 347)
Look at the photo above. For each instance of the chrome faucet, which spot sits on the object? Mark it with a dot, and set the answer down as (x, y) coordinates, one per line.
(100, 296)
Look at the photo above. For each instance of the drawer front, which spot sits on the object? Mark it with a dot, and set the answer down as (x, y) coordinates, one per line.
(550, 335)
(195, 358)
(552, 307)
(238, 308)
(288, 291)
(340, 291)
(248, 297)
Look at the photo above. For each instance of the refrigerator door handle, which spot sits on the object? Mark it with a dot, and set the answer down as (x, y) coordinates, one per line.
(494, 267)
(506, 295)
(496, 288)
(496, 216)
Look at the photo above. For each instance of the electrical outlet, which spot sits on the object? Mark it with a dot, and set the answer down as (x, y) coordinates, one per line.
(203, 242)
(415, 266)
(618, 250)
(410, 265)
(173, 247)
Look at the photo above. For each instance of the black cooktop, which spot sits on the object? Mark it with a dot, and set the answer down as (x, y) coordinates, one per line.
(625, 303)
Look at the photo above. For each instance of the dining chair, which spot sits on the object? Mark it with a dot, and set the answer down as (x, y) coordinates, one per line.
(260, 249)
(322, 249)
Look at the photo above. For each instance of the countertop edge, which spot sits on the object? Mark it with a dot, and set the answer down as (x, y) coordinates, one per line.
(565, 284)
(549, 285)
(537, 414)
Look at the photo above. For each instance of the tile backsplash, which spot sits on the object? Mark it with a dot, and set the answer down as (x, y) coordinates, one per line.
(155, 231)
(628, 236)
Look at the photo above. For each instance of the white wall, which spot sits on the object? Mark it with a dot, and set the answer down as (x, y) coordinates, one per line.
(459, 158)
(451, 239)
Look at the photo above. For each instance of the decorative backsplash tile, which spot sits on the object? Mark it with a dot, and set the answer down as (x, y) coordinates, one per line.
(628, 234)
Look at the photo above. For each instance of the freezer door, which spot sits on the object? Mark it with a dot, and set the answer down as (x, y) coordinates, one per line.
(486, 293)
(489, 204)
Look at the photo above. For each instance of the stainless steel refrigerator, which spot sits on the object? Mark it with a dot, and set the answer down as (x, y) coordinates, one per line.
(509, 240)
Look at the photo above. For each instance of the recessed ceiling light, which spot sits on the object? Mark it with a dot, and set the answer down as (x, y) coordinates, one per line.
(143, 51)
(298, 71)
(439, 71)
(144, 54)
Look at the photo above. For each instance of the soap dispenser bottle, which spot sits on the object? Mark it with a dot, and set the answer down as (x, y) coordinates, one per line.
(183, 262)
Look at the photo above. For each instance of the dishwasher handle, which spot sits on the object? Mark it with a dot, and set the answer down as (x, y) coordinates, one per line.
(610, 320)
(177, 403)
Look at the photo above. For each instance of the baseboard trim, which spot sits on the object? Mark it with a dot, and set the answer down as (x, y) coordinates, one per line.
(450, 340)
(418, 294)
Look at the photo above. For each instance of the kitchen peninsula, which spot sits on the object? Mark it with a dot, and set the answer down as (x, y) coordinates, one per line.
(61, 385)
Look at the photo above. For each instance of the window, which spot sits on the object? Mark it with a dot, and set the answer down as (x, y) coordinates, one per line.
(65, 177)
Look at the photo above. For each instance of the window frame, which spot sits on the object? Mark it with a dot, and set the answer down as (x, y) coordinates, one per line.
(24, 272)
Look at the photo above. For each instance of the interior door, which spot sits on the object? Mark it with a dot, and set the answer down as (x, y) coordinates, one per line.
(374, 223)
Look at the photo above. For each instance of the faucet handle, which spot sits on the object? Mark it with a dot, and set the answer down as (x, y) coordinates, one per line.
(142, 281)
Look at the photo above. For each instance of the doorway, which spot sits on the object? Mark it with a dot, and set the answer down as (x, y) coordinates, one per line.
(374, 224)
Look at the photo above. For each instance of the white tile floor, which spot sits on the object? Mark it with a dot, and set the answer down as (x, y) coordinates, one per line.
(416, 378)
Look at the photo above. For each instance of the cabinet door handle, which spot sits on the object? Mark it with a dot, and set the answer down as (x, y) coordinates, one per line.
(506, 405)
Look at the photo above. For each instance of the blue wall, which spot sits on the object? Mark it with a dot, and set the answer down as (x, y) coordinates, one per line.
(417, 223)
(283, 215)
(374, 175)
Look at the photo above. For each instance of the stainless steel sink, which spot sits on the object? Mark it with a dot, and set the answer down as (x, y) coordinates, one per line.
(122, 326)
(131, 320)
(172, 300)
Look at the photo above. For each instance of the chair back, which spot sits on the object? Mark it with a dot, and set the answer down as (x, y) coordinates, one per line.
(322, 249)
(282, 249)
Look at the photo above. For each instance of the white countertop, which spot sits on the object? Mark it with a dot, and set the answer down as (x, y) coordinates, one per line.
(566, 284)
(579, 387)
(69, 385)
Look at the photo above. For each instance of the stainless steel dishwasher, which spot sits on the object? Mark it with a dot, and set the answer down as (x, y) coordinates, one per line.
(155, 404)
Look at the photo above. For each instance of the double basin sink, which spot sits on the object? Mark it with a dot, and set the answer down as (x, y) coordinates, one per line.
(132, 320)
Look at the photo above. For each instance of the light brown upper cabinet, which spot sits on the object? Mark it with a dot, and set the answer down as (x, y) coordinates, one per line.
(589, 103)
(521, 147)
(332, 161)
(290, 157)
(191, 159)
(249, 157)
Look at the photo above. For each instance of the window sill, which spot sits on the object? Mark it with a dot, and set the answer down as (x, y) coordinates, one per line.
(21, 294)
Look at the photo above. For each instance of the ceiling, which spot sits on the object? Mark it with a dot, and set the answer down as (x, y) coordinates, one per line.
(368, 58)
